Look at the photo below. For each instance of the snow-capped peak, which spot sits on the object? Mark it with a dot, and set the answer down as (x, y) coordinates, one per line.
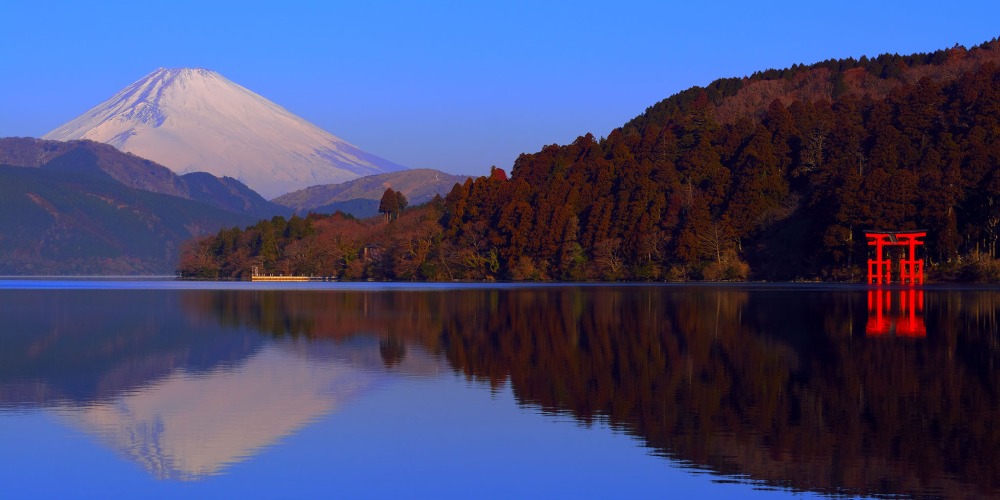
(194, 119)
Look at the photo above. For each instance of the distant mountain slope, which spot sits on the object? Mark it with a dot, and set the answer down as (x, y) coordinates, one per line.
(230, 194)
(197, 120)
(59, 222)
(94, 158)
(362, 208)
(419, 185)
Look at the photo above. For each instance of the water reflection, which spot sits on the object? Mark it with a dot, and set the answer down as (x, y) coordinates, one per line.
(782, 386)
(188, 426)
(79, 347)
(795, 387)
(168, 384)
(896, 312)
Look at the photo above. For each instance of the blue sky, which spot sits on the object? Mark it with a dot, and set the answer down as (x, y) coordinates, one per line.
(457, 86)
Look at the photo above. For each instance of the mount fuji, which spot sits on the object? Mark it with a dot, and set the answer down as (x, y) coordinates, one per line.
(197, 120)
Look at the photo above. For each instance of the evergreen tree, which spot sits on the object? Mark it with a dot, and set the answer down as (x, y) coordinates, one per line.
(389, 205)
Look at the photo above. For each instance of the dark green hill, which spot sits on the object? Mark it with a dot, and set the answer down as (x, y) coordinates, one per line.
(103, 160)
(62, 222)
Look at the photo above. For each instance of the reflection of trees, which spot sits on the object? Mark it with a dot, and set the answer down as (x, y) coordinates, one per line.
(782, 386)
(392, 349)
(333, 315)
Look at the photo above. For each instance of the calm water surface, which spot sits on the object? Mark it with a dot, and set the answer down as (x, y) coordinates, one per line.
(163, 389)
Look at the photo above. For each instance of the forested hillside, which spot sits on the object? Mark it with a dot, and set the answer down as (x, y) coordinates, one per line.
(773, 176)
(69, 223)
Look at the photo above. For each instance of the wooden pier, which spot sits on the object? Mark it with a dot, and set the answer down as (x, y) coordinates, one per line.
(256, 276)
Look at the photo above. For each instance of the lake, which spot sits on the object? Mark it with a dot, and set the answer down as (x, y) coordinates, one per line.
(374, 390)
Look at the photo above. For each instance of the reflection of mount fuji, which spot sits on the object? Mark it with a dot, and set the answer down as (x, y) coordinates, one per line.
(172, 388)
(188, 426)
(191, 425)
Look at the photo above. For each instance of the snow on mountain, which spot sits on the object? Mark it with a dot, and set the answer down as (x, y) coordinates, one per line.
(196, 120)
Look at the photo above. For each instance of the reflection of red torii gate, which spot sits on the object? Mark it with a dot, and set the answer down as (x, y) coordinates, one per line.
(911, 269)
(904, 319)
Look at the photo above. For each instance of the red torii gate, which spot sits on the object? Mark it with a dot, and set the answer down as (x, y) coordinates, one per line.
(911, 269)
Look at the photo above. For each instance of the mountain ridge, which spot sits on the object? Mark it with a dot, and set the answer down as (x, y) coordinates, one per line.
(871, 77)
